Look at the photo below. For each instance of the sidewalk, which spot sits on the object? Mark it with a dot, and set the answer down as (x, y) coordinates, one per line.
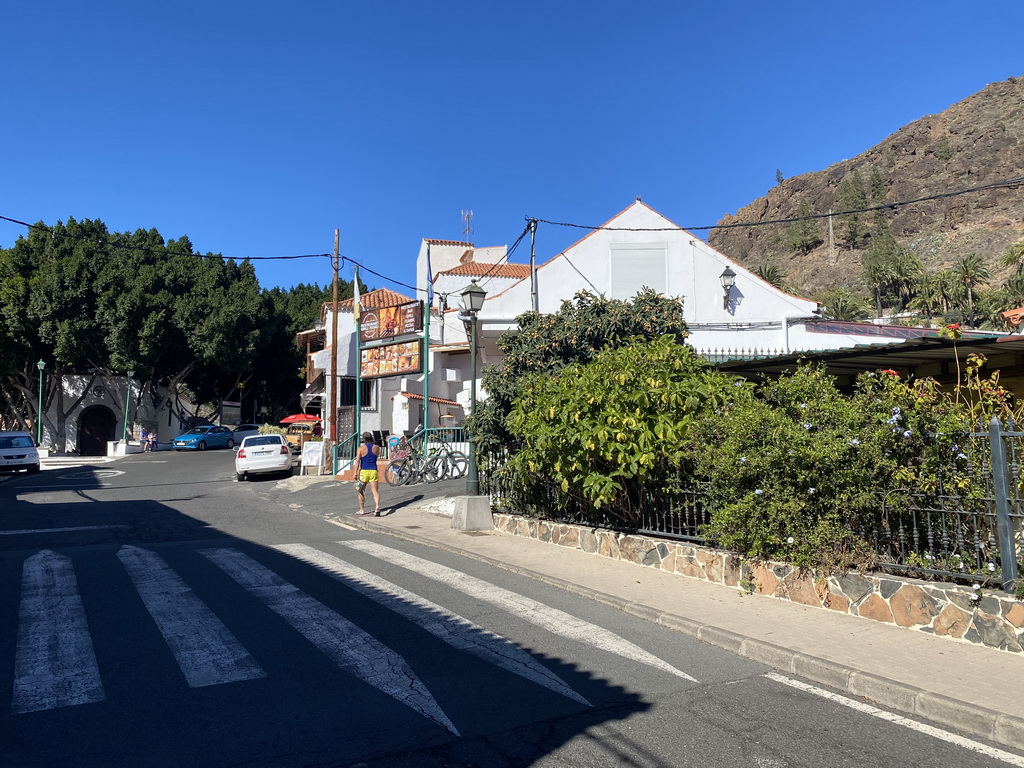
(968, 688)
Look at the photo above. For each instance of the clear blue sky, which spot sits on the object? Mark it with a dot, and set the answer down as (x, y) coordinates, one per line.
(257, 128)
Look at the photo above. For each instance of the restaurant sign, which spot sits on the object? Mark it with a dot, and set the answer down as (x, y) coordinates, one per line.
(391, 359)
(391, 322)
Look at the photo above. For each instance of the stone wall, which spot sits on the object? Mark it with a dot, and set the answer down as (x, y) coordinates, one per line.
(976, 616)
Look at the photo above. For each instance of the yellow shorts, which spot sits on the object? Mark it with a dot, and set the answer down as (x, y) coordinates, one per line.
(367, 475)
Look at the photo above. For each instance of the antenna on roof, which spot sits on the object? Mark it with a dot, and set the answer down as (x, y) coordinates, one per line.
(467, 225)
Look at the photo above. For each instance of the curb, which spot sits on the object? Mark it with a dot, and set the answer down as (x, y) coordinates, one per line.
(1005, 730)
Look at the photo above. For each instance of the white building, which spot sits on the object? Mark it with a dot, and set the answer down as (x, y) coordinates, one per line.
(637, 248)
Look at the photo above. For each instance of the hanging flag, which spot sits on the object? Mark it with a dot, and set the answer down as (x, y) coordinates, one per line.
(355, 299)
(430, 280)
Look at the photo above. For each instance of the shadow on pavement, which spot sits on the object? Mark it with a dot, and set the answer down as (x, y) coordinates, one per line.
(213, 650)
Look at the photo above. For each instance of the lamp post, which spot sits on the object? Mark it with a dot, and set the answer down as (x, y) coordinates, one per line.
(473, 300)
(41, 365)
(728, 278)
(127, 399)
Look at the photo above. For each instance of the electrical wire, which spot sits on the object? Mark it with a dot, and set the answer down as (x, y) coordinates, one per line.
(116, 242)
(1008, 183)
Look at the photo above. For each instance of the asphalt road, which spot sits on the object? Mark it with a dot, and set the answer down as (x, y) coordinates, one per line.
(154, 612)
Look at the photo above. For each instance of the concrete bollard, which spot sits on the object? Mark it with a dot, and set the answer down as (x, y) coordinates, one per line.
(472, 513)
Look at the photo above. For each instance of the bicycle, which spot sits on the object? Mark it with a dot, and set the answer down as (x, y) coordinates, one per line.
(451, 464)
(412, 469)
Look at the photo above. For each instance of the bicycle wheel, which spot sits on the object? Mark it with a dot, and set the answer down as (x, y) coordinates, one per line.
(433, 469)
(398, 472)
(458, 463)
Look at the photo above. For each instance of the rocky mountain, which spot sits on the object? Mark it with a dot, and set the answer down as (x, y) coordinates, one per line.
(975, 142)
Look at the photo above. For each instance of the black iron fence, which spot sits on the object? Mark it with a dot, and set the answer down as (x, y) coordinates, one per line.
(965, 524)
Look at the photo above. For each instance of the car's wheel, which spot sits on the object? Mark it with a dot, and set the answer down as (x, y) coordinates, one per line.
(33, 468)
(201, 446)
(231, 443)
(240, 476)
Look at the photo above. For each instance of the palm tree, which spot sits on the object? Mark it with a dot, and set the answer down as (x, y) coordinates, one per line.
(908, 270)
(770, 272)
(927, 295)
(878, 275)
(844, 304)
(1014, 257)
(971, 272)
(949, 290)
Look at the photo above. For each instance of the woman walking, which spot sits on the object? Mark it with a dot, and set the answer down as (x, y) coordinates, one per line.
(367, 457)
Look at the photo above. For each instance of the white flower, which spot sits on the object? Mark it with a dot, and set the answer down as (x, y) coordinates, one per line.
(789, 540)
(758, 492)
(807, 425)
(811, 490)
(975, 587)
(991, 566)
(928, 556)
(908, 433)
(855, 441)
(743, 459)
(803, 405)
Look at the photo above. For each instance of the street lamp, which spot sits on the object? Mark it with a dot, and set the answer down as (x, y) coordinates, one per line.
(41, 365)
(728, 278)
(127, 399)
(473, 301)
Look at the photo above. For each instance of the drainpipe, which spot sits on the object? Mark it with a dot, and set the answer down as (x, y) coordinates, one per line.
(785, 328)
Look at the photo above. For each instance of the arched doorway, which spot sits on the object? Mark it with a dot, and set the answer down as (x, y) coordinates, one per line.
(96, 428)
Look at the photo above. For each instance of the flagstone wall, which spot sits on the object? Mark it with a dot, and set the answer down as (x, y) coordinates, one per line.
(979, 616)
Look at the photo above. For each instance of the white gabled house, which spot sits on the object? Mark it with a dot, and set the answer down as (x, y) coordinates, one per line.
(731, 313)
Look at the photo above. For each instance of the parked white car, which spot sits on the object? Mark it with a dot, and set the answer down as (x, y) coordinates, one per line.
(242, 431)
(262, 453)
(18, 451)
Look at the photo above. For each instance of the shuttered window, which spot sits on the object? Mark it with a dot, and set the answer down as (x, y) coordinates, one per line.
(638, 266)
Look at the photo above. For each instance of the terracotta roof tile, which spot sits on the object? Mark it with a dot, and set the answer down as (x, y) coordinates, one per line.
(477, 269)
(442, 401)
(382, 297)
(448, 242)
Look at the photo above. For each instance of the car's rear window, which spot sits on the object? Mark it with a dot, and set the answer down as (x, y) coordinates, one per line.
(263, 440)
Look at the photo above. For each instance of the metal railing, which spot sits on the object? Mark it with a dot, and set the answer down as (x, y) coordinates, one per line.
(967, 526)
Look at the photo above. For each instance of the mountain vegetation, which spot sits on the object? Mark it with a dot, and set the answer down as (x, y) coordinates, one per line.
(949, 258)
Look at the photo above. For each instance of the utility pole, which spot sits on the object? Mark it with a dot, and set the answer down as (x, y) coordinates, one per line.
(333, 414)
(832, 256)
(533, 265)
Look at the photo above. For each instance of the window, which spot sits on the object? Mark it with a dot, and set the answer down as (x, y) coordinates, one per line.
(638, 265)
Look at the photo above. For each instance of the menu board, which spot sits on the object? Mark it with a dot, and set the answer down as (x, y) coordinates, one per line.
(391, 359)
(391, 322)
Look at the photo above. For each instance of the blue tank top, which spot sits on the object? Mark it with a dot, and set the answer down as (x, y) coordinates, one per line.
(369, 461)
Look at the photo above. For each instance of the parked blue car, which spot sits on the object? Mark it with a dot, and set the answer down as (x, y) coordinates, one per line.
(201, 438)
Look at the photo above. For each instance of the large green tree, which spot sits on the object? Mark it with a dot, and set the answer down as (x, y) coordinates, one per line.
(96, 303)
(577, 333)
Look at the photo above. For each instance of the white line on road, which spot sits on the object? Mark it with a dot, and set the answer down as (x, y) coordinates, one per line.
(55, 664)
(449, 627)
(205, 649)
(23, 531)
(348, 646)
(340, 524)
(937, 733)
(551, 619)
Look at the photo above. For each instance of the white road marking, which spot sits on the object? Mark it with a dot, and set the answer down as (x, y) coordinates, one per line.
(205, 649)
(55, 664)
(340, 524)
(449, 627)
(551, 619)
(348, 646)
(23, 531)
(881, 714)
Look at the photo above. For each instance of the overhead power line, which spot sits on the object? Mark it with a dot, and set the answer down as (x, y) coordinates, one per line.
(116, 241)
(1008, 183)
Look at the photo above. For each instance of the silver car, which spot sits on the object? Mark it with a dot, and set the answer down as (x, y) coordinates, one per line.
(262, 453)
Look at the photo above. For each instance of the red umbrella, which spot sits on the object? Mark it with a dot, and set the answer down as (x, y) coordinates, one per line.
(299, 417)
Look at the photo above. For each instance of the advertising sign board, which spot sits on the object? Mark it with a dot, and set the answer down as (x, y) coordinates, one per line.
(396, 359)
(391, 322)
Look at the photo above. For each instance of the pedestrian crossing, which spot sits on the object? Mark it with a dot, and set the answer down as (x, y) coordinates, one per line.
(56, 667)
